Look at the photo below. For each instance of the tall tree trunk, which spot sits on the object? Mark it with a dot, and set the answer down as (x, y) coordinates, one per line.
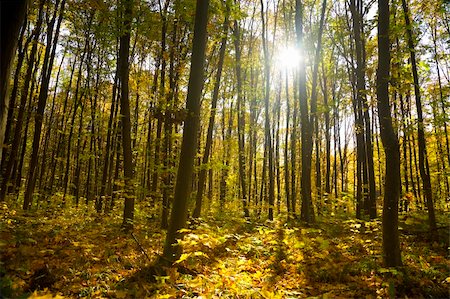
(109, 147)
(294, 149)
(443, 106)
(50, 124)
(22, 50)
(307, 210)
(209, 135)
(43, 94)
(424, 168)
(191, 125)
(314, 115)
(287, 177)
(23, 100)
(391, 243)
(17, 171)
(241, 120)
(76, 104)
(362, 119)
(12, 16)
(268, 137)
(327, 132)
(162, 84)
(124, 70)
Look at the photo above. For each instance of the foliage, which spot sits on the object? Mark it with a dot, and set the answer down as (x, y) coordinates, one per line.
(82, 254)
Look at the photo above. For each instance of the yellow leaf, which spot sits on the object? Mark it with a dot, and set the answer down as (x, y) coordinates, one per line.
(183, 257)
(199, 253)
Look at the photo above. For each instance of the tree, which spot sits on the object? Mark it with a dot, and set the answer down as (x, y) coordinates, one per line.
(123, 71)
(190, 134)
(209, 135)
(267, 133)
(391, 243)
(6, 175)
(42, 100)
(307, 209)
(241, 119)
(424, 167)
(12, 15)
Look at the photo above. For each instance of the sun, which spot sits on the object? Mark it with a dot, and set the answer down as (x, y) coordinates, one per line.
(288, 58)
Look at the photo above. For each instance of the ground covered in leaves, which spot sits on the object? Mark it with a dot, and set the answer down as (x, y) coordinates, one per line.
(71, 252)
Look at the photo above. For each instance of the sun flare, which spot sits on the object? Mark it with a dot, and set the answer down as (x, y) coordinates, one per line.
(288, 58)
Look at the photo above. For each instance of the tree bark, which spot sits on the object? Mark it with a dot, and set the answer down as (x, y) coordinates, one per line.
(43, 94)
(241, 120)
(12, 16)
(424, 168)
(189, 144)
(268, 137)
(391, 243)
(209, 135)
(307, 210)
(124, 70)
(23, 100)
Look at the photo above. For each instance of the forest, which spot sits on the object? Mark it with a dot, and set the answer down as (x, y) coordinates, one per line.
(225, 149)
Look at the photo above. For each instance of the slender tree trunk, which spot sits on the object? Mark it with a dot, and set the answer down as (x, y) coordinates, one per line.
(268, 137)
(209, 135)
(424, 168)
(226, 136)
(162, 84)
(31, 101)
(363, 120)
(294, 149)
(391, 243)
(287, 178)
(124, 70)
(43, 94)
(241, 120)
(307, 210)
(172, 251)
(314, 114)
(109, 146)
(50, 124)
(76, 104)
(327, 133)
(443, 106)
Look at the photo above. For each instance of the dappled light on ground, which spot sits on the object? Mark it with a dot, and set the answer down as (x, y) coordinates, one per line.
(72, 253)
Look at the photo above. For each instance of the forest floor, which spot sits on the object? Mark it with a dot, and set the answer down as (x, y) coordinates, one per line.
(58, 253)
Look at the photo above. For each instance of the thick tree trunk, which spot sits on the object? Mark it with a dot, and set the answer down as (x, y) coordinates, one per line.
(22, 50)
(23, 100)
(12, 16)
